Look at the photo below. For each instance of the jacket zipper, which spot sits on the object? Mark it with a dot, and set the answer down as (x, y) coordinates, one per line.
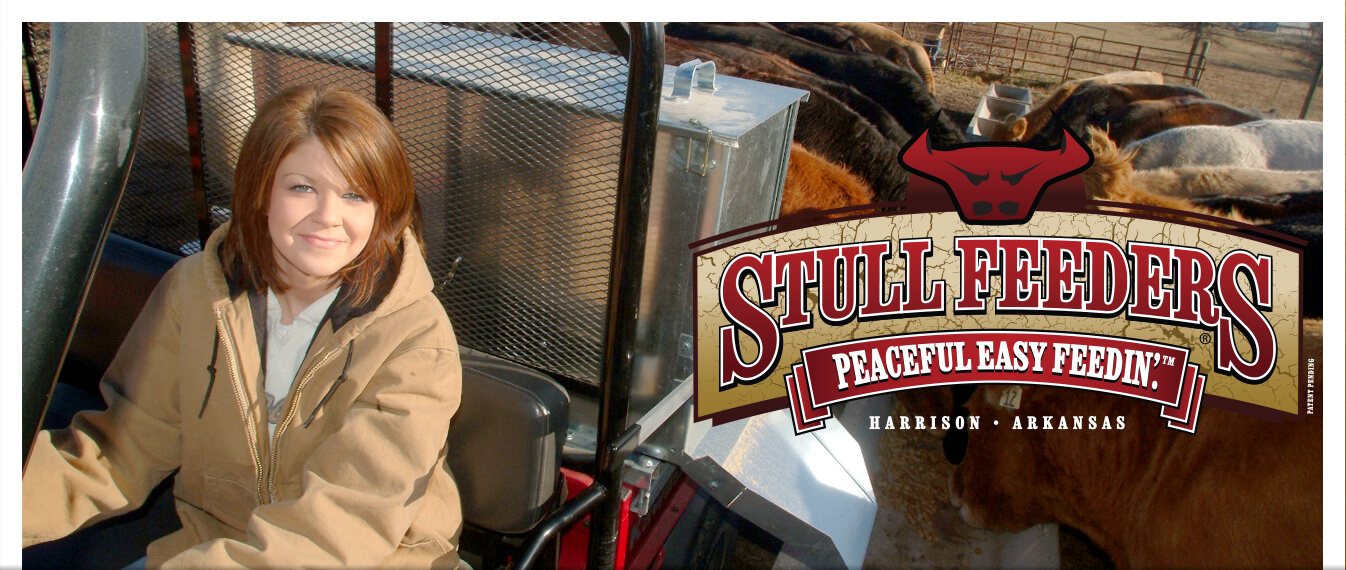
(285, 422)
(251, 433)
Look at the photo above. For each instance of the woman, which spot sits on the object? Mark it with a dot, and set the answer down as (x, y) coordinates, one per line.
(298, 372)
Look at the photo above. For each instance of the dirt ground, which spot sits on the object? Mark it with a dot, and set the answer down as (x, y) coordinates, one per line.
(1270, 53)
(958, 93)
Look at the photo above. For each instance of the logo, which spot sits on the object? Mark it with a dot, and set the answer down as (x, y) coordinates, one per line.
(996, 183)
(1153, 305)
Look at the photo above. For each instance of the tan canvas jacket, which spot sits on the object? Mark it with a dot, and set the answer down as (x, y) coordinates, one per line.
(355, 475)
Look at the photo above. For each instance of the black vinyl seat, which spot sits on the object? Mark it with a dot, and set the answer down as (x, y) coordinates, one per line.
(505, 444)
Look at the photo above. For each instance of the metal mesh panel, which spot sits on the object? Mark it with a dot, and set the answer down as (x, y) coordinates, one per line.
(42, 48)
(514, 143)
(41, 37)
(529, 177)
(157, 207)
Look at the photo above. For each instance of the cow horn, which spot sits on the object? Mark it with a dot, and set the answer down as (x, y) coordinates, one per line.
(919, 154)
(1073, 153)
(1076, 148)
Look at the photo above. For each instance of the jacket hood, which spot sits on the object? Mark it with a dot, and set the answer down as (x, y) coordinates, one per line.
(411, 282)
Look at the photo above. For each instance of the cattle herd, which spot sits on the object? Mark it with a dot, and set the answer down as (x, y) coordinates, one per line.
(1243, 492)
(865, 102)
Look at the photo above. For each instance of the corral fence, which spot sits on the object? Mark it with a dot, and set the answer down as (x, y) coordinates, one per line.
(1051, 56)
(1048, 56)
(1274, 97)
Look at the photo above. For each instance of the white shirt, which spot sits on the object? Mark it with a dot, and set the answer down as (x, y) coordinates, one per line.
(286, 346)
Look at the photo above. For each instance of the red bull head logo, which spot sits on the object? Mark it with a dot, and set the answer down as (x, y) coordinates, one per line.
(996, 183)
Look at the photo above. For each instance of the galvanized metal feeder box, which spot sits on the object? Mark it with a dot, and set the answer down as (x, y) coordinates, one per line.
(997, 107)
(720, 165)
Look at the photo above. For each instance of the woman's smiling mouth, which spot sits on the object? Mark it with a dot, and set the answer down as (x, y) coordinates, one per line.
(321, 243)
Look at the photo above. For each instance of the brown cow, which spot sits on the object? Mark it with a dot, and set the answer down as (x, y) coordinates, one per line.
(740, 61)
(830, 129)
(1144, 118)
(825, 34)
(814, 184)
(1092, 104)
(898, 90)
(892, 45)
(1242, 491)
(1028, 126)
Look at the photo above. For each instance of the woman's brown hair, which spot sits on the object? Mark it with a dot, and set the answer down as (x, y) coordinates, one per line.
(369, 153)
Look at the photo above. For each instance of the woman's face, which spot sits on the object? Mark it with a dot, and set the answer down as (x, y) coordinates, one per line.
(318, 222)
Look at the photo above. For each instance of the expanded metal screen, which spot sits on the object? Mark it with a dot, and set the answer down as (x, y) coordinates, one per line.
(535, 129)
(514, 134)
(158, 206)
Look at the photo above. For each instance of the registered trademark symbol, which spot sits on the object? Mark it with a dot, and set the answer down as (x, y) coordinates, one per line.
(1205, 338)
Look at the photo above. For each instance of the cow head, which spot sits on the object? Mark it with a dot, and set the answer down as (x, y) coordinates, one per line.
(1091, 105)
(996, 183)
(1010, 479)
(1000, 481)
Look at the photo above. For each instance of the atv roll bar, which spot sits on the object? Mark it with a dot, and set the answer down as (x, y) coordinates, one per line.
(640, 128)
(616, 440)
(77, 168)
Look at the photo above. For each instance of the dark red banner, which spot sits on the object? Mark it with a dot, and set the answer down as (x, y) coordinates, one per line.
(835, 373)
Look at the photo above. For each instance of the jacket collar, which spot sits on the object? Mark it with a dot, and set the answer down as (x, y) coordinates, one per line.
(396, 289)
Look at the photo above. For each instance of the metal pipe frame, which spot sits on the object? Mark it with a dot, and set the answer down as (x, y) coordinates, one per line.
(27, 131)
(191, 93)
(639, 130)
(72, 183)
(552, 527)
(1313, 88)
(383, 68)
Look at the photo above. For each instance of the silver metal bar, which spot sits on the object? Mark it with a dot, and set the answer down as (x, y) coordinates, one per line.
(657, 415)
